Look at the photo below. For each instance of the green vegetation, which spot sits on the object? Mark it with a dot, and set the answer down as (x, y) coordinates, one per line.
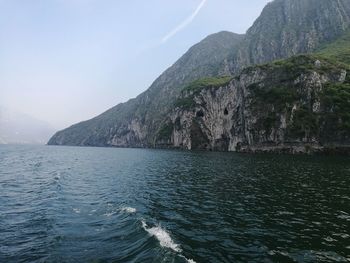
(337, 51)
(336, 100)
(185, 103)
(334, 118)
(270, 102)
(287, 70)
(199, 140)
(300, 63)
(278, 97)
(165, 131)
(291, 67)
(187, 100)
(269, 121)
(212, 82)
(305, 123)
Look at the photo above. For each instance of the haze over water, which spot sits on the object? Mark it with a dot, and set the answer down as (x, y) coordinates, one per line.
(70, 204)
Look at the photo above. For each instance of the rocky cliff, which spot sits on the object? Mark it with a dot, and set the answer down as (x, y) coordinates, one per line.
(295, 105)
(285, 28)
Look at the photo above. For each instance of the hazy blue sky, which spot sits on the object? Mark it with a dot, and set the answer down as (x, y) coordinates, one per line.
(65, 61)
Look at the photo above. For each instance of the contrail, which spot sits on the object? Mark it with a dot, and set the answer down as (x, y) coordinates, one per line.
(185, 23)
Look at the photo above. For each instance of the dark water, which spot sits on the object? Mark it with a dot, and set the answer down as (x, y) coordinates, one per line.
(67, 204)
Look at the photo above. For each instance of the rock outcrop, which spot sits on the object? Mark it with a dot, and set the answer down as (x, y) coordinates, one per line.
(296, 105)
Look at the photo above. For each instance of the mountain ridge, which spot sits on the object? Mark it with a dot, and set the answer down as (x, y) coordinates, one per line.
(169, 83)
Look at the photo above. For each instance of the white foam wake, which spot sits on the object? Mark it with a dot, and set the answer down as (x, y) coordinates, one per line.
(164, 239)
(162, 236)
(127, 209)
(189, 260)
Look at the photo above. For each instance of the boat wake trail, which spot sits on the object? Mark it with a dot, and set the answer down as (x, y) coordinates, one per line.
(164, 239)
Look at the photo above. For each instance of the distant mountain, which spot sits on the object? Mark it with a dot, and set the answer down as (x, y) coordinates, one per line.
(284, 29)
(20, 128)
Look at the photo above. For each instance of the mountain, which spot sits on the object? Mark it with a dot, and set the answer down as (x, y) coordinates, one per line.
(285, 28)
(133, 123)
(20, 128)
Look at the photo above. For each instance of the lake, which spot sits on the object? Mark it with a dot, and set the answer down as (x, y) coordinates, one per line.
(74, 204)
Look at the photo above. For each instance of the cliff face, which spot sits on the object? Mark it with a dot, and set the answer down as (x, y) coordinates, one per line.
(290, 27)
(288, 106)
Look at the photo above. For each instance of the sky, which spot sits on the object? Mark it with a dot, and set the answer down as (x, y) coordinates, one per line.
(65, 61)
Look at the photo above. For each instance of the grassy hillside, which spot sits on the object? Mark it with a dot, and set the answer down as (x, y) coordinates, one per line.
(198, 85)
(338, 50)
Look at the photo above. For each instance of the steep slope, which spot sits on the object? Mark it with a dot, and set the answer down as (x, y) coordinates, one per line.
(135, 122)
(289, 27)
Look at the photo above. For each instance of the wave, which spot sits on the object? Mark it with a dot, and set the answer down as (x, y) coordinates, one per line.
(188, 260)
(57, 176)
(164, 239)
(126, 209)
(109, 214)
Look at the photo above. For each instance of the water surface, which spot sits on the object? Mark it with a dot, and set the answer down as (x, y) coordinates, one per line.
(70, 204)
